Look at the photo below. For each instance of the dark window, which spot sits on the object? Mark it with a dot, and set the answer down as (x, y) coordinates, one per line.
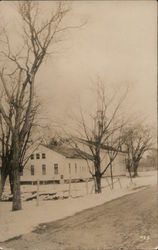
(32, 170)
(43, 156)
(37, 156)
(62, 177)
(44, 169)
(75, 168)
(55, 168)
(32, 156)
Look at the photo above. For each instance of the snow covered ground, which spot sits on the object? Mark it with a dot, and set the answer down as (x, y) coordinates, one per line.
(13, 224)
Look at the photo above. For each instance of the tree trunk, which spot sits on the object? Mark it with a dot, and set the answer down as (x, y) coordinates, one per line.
(135, 169)
(2, 182)
(16, 190)
(98, 183)
(128, 166)
(16, 176)
(11, 181)
(97, 173)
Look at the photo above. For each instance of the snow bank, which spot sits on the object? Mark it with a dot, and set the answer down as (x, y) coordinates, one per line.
(20, 222)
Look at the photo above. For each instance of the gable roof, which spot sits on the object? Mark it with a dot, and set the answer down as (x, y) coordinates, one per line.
(103, 147)
(73, 153)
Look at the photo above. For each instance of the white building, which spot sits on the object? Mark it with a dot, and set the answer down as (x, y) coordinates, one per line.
(54, 165)
(60, 164)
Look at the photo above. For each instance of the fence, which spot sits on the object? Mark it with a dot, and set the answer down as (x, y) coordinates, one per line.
(72, 190)
(56, 191)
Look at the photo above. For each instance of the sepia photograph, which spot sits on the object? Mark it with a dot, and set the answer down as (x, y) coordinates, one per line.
(78, 125)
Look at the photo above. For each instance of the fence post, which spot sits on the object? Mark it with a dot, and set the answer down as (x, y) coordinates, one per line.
(69, 186)
(108, 183)
(87, 186)
(119, 182)
(37, 200)
(111, 173)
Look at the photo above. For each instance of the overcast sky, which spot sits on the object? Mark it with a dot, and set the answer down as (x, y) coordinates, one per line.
(118, 44)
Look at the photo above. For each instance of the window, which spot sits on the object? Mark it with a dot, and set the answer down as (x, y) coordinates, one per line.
(75, 168)
(69, 168)
(32, 170)
(43, 156)
(44, 169)
(32, 156)
(55, 168)
(37, 156)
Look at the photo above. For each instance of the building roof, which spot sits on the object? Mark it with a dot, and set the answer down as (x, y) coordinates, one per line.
(68, 152)
(103, 147)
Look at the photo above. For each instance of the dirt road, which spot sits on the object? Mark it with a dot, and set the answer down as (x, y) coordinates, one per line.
(130, 222)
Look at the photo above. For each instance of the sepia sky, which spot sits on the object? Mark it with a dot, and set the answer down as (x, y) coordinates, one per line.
(118, 43)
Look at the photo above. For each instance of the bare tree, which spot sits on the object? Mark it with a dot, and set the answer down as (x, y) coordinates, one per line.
(18, 73)
(137, 140)
(102, 135)
(6, 145)
(5, 152)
